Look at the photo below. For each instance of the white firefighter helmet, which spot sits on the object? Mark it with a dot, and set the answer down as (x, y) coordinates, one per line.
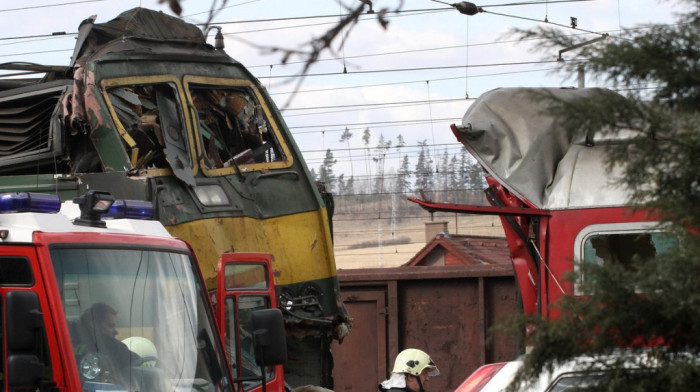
(413, 361)
(144, 348)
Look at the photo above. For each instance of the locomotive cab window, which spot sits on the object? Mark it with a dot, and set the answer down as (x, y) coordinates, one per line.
(149, 117)
(234, 128)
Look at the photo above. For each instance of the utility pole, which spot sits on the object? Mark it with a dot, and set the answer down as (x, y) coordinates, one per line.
(581, 73)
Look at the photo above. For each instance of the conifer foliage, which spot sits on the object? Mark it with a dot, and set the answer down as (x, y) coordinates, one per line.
(656, 304)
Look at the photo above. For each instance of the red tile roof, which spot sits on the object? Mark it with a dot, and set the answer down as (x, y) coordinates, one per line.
(465, 249)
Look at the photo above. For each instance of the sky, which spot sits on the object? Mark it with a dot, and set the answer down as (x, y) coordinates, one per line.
(412, 79)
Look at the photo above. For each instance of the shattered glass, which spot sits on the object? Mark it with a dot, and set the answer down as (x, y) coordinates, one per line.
(151, 116)
(233, 127)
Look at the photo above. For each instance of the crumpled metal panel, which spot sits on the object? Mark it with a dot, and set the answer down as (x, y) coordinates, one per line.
(27, 134)
(528, 151)
(138, 23)
(175, 138)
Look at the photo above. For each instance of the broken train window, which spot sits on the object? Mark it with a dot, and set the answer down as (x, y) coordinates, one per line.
(233, 127)
(150, 115)
(623, 247)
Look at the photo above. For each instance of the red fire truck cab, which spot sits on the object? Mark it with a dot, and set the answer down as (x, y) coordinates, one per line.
(97, 297)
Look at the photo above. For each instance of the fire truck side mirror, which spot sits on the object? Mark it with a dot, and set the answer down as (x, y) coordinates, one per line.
(269, 337)
(24, 334)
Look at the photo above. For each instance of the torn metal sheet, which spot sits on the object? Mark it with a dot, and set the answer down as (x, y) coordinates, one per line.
(527, 150)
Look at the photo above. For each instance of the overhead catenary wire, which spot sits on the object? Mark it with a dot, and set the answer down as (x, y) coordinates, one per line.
(397, 12)
(365, 124)
(435, 68)
(49, 5)
(367, 106)
(420, 50)
(409, 82)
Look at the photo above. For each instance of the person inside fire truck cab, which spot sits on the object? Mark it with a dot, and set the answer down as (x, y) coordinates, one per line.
(412, 370)
(95, 339)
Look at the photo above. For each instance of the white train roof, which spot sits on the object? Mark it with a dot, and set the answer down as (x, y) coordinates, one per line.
(511, 134)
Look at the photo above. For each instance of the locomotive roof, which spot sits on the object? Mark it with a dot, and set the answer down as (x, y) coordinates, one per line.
(141, 31)
(528, 151)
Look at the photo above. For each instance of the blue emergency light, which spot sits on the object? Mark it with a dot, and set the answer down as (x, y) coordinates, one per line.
(130, 209)
(29, 202)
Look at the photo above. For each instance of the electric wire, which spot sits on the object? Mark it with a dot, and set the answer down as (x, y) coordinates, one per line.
(435, 68)
(367, 106)
(410, 82)
(49, 5)
(390, 12)
(426, 121)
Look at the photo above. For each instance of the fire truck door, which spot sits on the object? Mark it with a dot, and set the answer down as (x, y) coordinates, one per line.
(245, 285)
(27, 360)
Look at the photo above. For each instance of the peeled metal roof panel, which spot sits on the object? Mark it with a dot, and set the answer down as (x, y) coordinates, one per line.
(136, 29)
(148, 24)
(511, 134)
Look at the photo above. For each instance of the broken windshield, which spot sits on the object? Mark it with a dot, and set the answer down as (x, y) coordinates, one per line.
(153, 127)
(233, 126)
(234, 129)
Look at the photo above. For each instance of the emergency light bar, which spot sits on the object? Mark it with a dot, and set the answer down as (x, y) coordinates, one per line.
(94, 206)
(130, 209)
(29, 202)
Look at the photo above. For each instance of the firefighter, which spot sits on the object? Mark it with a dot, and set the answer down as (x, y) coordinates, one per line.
(96, 333)
(412, 369)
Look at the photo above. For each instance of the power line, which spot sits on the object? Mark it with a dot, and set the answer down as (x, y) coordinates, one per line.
(368, 106)
(572, 26)
(366, 16)
(235, 35)
(410, 81)
(58, 35)
(362, 128)
(220, 8)
(370, 123)
(50, 5)
(417, 69)
(38, 52)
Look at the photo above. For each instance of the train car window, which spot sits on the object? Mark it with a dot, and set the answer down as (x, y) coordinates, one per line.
(234, 130)
(621, 245)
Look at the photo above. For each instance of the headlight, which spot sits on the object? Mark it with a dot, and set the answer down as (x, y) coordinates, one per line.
(211, 195)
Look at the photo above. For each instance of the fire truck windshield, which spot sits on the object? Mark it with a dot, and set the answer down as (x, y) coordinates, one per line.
(138, 320)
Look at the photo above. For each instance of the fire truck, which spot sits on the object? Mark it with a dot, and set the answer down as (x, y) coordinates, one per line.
(97, 296)
(561, 209)
(147, 109)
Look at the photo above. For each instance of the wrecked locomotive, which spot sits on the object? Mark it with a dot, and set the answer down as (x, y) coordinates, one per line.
(148, 110)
